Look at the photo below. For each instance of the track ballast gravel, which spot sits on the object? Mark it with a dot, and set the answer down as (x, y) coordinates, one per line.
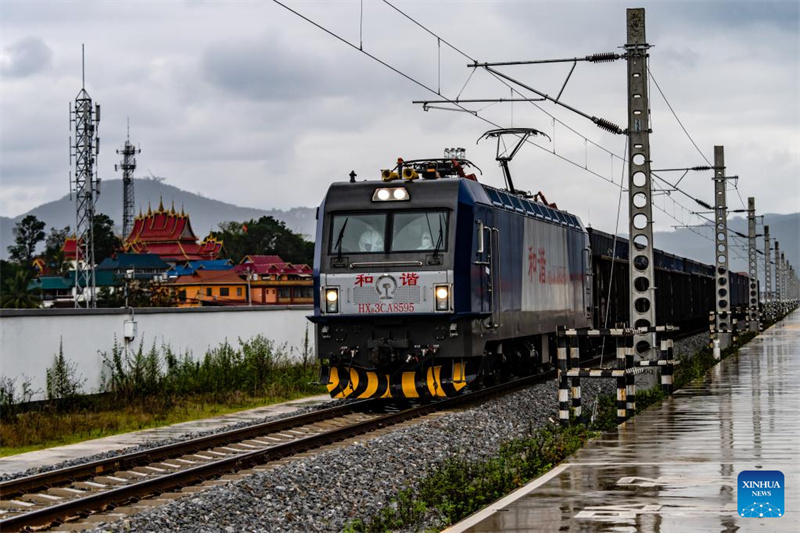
(326, 491)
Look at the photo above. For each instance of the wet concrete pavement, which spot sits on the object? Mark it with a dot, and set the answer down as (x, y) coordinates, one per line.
(51, 456)
(674, 467)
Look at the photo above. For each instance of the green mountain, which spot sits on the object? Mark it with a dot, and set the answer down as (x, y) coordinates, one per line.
(697, 243)
(205, 213)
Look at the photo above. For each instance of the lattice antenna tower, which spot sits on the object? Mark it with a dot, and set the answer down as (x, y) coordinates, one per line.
(84, 117)
(127, 165)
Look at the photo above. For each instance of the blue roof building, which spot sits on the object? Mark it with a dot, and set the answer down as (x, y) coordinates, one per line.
(143, 266)
(190, 267)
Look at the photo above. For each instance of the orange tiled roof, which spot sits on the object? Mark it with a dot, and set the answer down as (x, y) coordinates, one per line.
(263, 259)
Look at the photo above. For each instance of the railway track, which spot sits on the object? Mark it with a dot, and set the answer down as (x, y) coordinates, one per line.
(76, 492)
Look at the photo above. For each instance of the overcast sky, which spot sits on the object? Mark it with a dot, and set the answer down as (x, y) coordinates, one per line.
(247, 103)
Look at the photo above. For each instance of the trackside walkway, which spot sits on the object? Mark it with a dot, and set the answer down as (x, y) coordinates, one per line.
(674, 467)
(51, 456)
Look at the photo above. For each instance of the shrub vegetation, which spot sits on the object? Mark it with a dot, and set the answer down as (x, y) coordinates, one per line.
(153, 387)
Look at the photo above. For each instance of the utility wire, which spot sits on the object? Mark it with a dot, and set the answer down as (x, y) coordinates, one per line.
(613, 254)
(498, 78)
(514, 91)
(431, 90)
(736, 187)
(676, 115)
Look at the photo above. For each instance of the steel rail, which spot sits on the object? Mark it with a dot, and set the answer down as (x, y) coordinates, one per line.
(74, 473)
(109, 498)
(156, 485)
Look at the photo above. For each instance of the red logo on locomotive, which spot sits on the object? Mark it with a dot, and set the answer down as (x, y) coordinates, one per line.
(537, 262)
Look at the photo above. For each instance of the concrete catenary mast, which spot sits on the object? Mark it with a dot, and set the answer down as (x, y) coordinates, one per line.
(778, 295)
(752, 266)
(767, 275)
(85, 118)
(723, 330)
(641, 272)
(127, 165)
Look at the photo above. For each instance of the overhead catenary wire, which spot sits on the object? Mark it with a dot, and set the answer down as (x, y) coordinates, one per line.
(685, 131)
(655, 82)
(613, 255)
(433, 91)
(457, 104)
(514, 91)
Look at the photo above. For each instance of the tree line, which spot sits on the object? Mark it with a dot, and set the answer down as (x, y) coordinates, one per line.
(18, 272)
(265, 236)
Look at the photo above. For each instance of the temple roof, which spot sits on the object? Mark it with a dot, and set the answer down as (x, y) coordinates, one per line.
(69, 249)
(179, 251)
(161, 226)
(169, 235)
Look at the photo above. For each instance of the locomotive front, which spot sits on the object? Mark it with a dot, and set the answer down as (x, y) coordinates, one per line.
(384, 289)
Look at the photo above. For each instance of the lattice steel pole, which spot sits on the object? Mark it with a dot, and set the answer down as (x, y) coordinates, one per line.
(85, 117)
(723, 318)
(127, 165)
(767, 275)
(640, 204)
(752, 266)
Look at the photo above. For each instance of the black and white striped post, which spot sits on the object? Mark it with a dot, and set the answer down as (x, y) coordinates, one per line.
(622, 381)
(672, 363)
(575, 364)
(630, 378)
(711, 324)
(563, 382)
(625, 370)
(665, 358)
(735, 324)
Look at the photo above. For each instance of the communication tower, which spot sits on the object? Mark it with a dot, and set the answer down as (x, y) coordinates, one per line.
(85, 117)
(127, 165)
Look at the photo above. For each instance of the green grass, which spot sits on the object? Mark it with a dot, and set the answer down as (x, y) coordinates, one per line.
(460, 487)
(44, 429)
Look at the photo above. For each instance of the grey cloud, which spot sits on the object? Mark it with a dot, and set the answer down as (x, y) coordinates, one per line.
(249, 96)
(737, 15)
(263, 71)
(26, 57)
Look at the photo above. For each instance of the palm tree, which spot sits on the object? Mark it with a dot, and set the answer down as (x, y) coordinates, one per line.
(16, 293)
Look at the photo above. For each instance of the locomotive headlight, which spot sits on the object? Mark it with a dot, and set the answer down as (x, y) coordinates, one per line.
(390, 194)
(332, 300)
(400, 194)
(442, 293)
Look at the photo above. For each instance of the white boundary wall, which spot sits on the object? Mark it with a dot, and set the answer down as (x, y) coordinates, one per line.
(30, 338)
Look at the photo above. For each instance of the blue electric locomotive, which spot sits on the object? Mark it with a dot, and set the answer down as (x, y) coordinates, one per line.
(428, 282)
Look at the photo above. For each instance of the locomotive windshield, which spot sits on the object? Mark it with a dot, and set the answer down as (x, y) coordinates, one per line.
(397, 231)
